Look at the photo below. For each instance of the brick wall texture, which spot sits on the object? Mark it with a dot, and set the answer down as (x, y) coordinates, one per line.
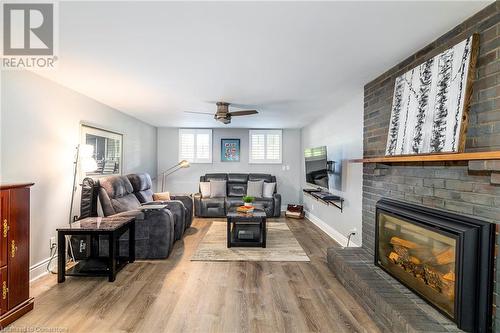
(449, 186)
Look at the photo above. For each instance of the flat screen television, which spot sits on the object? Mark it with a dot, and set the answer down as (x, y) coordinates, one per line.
(316, 167)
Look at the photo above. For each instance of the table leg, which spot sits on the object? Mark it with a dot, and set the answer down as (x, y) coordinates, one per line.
(131, 242)
(61, 257)
(264, 232)
(228, 233)
(112, 257)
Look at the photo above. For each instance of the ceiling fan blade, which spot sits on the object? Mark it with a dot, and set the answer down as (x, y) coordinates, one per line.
(211, 114)
(243, 113)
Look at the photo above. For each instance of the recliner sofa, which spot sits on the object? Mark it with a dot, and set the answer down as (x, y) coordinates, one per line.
(156, 230)
(236, 189)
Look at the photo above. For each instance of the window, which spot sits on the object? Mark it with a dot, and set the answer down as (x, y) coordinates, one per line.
(195, 145)
(103, 147)
(265, 146)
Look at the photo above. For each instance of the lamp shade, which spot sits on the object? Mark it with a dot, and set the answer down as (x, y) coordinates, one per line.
(86, 151)
(184, 164)
(88, 164)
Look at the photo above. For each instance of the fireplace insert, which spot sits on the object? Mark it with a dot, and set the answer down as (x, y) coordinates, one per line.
(445, 258)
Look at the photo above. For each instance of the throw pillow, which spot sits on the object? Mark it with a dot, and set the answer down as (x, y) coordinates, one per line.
(205, 189)
(163, 196)
(268, 190)
(254, 188)
(217, 188)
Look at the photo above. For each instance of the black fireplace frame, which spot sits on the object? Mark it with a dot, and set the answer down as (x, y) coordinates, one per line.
(475, 258)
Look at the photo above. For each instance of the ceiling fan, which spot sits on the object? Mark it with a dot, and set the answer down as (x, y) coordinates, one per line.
(223, 115)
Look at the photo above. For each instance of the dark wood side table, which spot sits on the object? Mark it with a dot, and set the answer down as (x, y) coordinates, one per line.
(236, 220)
(113, 228)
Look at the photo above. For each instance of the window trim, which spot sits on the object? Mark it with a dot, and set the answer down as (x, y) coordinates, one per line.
(195, 132)
(266, 133)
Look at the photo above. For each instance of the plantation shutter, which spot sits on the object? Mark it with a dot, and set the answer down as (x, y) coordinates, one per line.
(258, 147)
(195, 145)
(265, 146)
(202, 146)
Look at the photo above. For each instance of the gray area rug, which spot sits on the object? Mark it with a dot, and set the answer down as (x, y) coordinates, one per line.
(281, 246)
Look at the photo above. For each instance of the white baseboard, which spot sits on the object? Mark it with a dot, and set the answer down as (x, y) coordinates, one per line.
(334, 234)
(40, 269)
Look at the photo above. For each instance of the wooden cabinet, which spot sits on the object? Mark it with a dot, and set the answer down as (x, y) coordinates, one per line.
(14, 252)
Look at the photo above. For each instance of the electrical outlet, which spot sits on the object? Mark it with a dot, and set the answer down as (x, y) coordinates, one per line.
(52, 241)
(353, 231)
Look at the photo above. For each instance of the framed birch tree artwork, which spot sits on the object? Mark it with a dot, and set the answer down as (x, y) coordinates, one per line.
(431, 102)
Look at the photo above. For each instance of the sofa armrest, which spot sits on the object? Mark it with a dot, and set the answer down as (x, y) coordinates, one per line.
(159, 225)
(277, 204)
(154, 234)
(178, 209)
(197, 204)
(187, 200)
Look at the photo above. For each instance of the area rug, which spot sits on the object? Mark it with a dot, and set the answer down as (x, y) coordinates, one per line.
(281, 246)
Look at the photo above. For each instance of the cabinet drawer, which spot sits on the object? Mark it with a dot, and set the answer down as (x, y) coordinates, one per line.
(4, 225)
(4, 293)
(18, 247)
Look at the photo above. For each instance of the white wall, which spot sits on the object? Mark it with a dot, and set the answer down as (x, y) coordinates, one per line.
(186, 180)
(40, 128)
(342, 132)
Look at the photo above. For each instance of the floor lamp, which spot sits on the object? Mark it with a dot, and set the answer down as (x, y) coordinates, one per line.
(84, 160)
(182, 164)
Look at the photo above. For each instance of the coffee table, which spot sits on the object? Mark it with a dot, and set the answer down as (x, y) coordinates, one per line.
(95, 265)
(254, 222)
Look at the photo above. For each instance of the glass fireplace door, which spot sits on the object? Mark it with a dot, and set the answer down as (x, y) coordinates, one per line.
(423, 259)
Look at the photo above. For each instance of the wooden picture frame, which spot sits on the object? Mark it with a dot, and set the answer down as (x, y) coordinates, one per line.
(431, 103)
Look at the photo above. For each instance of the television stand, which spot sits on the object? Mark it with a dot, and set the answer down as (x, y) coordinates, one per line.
(312, 190)
(326, 198)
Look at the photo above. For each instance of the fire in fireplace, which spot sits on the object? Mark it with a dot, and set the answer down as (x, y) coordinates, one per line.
(423, 259)
(445, 258)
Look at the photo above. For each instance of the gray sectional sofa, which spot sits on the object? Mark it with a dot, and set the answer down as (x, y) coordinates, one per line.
(156, 230)
(236, 184)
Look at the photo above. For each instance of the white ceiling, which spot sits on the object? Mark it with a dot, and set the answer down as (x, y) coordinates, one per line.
(293, 61)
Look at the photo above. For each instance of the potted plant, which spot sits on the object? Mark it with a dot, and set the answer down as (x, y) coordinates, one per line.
(248, 201)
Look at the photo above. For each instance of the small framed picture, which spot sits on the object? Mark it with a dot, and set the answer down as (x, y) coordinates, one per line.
(230, 150)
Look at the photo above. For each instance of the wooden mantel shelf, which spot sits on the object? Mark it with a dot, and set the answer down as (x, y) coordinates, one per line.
(487, 155)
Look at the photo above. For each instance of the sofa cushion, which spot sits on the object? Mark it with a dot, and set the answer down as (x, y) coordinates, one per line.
(236, 189)
(205, 189)
(241, 178)
(260, 176)
(254, 188)
(162, 196)
(115, 195)
(217, 188)
(267, 204)
(215, 176)
(213, 207)
(142, 186)
(233, 202)
(268, 190)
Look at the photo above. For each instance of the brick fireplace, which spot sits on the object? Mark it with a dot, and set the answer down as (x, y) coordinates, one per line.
(445, 258)
(466, 188)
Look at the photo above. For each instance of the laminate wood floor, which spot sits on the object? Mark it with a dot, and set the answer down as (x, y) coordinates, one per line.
(179, 295)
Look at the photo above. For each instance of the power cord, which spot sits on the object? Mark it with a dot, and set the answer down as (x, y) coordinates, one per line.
(349, 238)
(53, 253)
(52, 256)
